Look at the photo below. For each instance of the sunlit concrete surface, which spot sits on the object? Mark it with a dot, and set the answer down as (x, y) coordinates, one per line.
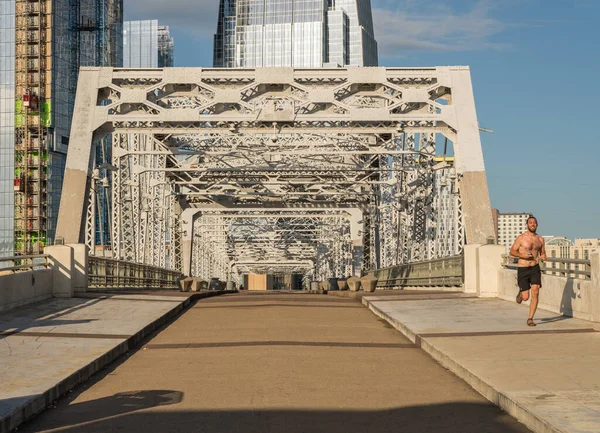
(546, 376)
(277, 362)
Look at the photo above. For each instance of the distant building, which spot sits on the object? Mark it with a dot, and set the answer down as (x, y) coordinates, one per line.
(562, 248)
(558, 246)
(593, 242)
(294, 33)
(42, 46)
(509, 226)
(147, 45)
(166, 48)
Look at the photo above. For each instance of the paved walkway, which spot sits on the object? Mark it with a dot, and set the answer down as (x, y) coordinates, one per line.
(548, 377)
(275, 362)
(49, 347)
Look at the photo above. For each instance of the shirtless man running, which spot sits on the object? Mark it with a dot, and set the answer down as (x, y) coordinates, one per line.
(529, 248)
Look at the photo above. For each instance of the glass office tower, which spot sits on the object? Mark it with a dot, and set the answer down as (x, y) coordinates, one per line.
(147, 45)
(294, 33)
(7, 126)
(166, 48)
(42, 45)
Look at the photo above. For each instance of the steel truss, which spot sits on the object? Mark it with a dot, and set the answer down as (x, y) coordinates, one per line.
(229, 243)
(269, 158)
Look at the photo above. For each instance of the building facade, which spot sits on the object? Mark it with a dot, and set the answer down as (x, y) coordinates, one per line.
(166, 48)
(509, 226)
(147, 45)
(563, 248)
(42, 46)
(294, 33)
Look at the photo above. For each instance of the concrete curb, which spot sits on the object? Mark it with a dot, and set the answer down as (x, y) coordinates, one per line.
(40, 402)
(511, 406)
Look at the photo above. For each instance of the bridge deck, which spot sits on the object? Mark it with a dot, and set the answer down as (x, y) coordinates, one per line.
(276, 362)
(546, 376)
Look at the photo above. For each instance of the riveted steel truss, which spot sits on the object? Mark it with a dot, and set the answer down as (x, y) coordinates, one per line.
(271, 159)
(229, 243)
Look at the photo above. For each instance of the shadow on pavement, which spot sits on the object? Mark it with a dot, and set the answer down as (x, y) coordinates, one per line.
(132, 412)
(544, 320)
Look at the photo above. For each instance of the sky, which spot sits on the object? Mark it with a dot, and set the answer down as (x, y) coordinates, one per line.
(535, 66)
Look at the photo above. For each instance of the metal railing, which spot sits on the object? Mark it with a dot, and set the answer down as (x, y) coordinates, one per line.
(106, 273)
(569, 268)
(447, 271)
(24, 263)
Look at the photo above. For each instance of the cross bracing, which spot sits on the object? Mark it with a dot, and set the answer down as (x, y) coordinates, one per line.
(220, 172)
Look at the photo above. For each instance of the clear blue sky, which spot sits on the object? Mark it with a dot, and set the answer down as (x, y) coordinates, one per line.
(535, 66)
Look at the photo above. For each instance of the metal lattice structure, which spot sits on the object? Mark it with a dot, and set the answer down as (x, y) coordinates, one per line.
(220, 172)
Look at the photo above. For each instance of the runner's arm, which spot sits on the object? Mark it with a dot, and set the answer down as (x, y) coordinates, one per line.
(543, 252)
(514, 251)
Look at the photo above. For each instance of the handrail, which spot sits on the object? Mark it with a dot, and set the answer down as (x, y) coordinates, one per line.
(563, 269)
(106, 273)
(446, 271)
(24, 263)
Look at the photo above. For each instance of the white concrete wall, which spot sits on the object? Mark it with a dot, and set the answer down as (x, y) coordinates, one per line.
(24, 288)
(62, 262)
(485, 276)
(566, 296)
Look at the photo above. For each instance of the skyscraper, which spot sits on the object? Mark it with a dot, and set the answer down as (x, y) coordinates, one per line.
(294, 33)
(147, 45)
(42, 46)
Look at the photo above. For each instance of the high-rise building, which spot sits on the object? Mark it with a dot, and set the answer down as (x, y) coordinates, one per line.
(166, 48)
(42, 46)
(509, 226)
(147, 45)
(294, 33)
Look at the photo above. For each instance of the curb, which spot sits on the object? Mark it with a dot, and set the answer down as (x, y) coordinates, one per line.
(505, 402)
(39, 403)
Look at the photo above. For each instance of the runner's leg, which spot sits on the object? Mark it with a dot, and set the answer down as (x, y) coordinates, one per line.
(535, 293)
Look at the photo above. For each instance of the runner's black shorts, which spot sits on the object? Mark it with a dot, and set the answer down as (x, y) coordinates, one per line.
(528, 277)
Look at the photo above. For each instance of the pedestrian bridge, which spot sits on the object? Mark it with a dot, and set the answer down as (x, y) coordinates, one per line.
(217, 173)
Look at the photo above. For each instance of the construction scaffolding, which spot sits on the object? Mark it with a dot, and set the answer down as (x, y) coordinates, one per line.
(50, 49)
(32, 119)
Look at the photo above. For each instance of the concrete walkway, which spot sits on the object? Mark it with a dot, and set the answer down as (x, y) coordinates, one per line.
(271, 363)
(547, 376)
(48, 348)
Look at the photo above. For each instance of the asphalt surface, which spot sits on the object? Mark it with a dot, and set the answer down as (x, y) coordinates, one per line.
(275, 362)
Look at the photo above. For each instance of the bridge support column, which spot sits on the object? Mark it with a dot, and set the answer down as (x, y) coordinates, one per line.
(476, 207)
(80, 267)
(471, 268)
(489, 263)
(62, 263)
(482, 266)
(76, 184)
(188, 217)
(595, 270)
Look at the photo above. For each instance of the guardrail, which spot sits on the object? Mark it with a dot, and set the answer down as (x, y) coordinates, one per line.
(24, 263)
(106, 273)
(447, 271)
(569, 268)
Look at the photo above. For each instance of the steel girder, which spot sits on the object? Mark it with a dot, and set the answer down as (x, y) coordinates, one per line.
(223, 141)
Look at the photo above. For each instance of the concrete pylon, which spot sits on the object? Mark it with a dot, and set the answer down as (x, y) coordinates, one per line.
(62, 262)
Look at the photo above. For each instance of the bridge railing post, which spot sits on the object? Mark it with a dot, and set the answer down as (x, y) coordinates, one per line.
(489, 264)
(62, 262)
(471, 268)
(80, 267)
(595, 278)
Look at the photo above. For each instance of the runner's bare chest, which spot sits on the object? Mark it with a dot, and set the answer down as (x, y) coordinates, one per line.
(531, 244)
